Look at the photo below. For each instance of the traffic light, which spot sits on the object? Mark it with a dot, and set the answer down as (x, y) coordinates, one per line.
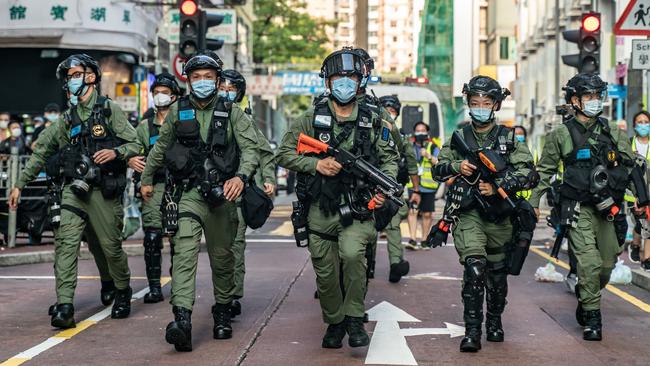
(190, 25)
(207, 21)
(588, 40)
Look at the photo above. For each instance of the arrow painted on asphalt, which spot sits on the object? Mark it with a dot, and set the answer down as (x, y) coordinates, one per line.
(388, 343)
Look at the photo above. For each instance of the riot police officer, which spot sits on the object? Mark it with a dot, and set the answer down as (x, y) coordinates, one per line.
(407, 172)
(481, 225)
(209, 148)
(597, 158)
(88, 146)
(232, 86)
(336, 238)
(165, 91)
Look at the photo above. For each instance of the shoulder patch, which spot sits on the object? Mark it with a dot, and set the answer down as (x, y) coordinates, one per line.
(186, 114)
(322, 121)
(387, 124)
(385, 133)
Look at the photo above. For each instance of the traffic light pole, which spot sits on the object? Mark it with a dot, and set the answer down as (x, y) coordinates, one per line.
(557, 52)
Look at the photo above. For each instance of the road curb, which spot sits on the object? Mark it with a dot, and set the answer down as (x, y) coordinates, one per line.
(641, 278)
(45, 256)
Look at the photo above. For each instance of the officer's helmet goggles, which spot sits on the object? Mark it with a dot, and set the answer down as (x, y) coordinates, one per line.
(344, 64)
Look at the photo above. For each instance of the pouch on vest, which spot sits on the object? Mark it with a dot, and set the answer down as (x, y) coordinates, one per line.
(256, 206)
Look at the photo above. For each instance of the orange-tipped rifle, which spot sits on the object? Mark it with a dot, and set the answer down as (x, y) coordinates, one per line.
(487, 162)
(356, 166)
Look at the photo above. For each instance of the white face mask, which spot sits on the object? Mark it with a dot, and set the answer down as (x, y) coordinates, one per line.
(4, 125)
(16, 132)
(162, 100)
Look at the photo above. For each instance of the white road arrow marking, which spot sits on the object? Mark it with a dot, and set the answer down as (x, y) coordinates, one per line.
(432, 276)
(388, 343)
(452, 329)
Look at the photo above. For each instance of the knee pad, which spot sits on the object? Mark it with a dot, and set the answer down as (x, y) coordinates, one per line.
(153, 239)
(475, 268)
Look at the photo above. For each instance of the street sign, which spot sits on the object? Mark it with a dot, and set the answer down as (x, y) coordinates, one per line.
(635, 20)
(616, 91)
(641, 54)
(126, 96)
(178, 64)
(388, 343)
(139, 74)
(301, 82)
(264, 85)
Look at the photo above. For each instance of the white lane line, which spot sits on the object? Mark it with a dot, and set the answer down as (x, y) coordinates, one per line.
(61, 336)
(52, 277)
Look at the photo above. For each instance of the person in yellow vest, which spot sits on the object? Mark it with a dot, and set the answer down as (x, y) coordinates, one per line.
(521, 135)
(426, 152)
(5, 118)
(641, 238)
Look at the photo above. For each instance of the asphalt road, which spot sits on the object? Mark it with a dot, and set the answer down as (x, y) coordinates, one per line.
(281, 321)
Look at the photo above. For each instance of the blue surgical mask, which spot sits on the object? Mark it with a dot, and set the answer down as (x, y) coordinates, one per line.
(481, 115)
(230, 95)
(73, 87)
(520, 138)
(592, 108)
(642, 129)
(203, 88)
(52, 117)
(344, 89)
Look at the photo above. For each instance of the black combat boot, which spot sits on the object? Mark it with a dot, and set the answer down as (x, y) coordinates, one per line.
(357, 335)
(153, 262)
(122, 305)
(473, 292)
(593, 330)
(107, 293)
(371, 269)
(334, 335)
(235, 308)
(222, 327)
(579, 312)
(179, 332)
(397, 270)
(497, 290)
(63, 316)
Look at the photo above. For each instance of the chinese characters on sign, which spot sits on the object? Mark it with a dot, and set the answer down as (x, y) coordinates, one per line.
(641, 54)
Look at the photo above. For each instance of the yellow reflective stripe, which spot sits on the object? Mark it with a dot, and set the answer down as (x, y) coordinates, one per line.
(426, 180)
(629, 198)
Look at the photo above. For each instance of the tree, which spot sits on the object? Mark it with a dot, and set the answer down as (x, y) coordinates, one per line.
(284, 34)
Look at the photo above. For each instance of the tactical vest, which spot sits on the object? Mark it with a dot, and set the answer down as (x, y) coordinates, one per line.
(88, 137)
(154, 134)
(588, 163)
(188, 155)
(499, 139)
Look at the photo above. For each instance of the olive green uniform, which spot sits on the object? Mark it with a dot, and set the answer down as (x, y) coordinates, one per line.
(219, 224)
(327, 254)
(265, 174)
(150, 209)
(593, 240)
(104, 216)
(473, 235)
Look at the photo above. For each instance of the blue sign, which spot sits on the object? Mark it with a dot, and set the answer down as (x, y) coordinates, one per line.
(301, 82)
(617, 91)
(139, 74)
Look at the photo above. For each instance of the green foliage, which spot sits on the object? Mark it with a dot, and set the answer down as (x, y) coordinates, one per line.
(295, 105)
(283, 33)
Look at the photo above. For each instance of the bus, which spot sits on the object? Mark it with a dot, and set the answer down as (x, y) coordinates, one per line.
(419, 104)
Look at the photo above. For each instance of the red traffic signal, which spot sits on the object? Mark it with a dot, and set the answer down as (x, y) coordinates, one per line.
(188, 7)
(591, 22)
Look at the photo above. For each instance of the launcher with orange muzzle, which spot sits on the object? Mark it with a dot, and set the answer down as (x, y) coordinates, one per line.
(356, 166)
(488, 163)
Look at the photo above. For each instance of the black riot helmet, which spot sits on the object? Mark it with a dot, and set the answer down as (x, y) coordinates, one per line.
(583, 84)
(203, 60)
(343, 62)
(234, 77)
(487, 87)
(168, 80)
(369, 65)
(89, 65)
(391, 101)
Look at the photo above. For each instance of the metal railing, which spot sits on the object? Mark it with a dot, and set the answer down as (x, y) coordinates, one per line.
(10, 167)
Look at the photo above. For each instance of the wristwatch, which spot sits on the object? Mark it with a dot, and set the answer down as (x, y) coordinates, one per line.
(243, 177)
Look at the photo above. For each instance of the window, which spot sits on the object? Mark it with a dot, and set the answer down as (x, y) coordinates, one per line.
(393, 24)
(504, 49)
(394, 38)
